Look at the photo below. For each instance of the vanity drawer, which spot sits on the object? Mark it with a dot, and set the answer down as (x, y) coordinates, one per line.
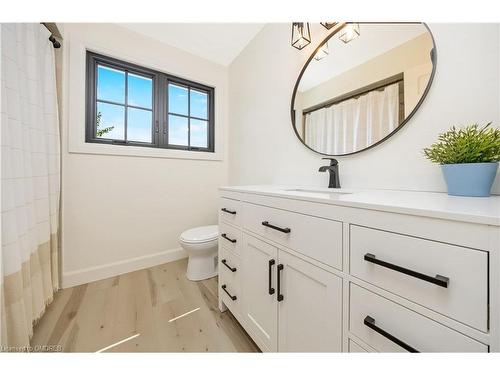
(230, 297)
(410, 267)
(318, 238)
(376, 320)
(229, 238)
(230, 210)
(229, 270)
(229, 279)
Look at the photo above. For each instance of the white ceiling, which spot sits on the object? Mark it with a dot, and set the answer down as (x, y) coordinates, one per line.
(374, 40)
(217, 42)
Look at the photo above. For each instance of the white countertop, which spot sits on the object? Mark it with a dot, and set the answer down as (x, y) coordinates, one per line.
(439, 205)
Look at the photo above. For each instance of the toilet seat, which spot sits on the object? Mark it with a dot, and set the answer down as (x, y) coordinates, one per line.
(200, 234)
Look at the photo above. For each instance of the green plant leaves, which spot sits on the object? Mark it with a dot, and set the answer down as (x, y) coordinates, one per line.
(471, 144)
(101, 132)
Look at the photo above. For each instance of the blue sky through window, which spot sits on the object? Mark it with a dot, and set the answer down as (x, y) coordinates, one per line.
(139, 125)
(140, 91)
(184, 131)
(199, 133)
(177, 130)
(112, 115)
(199, 104)
(187, 107)
(111, 85)
(178, 100)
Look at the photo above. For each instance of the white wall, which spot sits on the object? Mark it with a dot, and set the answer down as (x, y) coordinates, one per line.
(121, 213)
(264, 149)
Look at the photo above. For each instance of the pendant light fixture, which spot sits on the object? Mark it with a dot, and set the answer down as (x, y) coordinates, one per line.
(301, 36)
(322, 52)
(349, 32)
(328, 25)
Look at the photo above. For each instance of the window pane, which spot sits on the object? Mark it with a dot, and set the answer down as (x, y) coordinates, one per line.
(199, 134)
(199, 104)
(177, 130)
(177, 99)
(140, 91)
(110, 121)
(110, 84)
(139, 125)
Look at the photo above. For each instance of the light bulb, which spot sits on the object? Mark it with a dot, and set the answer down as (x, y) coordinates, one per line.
(322, 52)
(349, 32)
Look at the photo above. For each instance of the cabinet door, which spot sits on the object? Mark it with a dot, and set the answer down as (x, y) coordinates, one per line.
(260, 311)
(310, 313)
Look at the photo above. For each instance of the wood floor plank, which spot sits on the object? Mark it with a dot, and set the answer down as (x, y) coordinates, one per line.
(68, 314)
(46, 325)
(95, 319)
(153, 310)
(165, 286)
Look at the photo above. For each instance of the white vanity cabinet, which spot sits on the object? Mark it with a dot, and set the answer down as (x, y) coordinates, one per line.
(288, 303)
(310, 312)
(259, 309)
(322, 273)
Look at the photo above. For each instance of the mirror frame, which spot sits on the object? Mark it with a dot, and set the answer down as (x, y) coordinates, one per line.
(338, 27)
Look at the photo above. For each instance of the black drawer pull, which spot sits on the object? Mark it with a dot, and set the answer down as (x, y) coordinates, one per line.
(224, 235)
(280, 296)
(224, 262)
(228, 211)
(284, 230)
(271, 264)
(438, 279)
(229, 294)
(370, 322)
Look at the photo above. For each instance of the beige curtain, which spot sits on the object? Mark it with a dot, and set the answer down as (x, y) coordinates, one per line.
(353, 124)
(30, 181)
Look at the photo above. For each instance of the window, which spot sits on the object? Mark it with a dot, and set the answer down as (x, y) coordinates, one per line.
(131, 105)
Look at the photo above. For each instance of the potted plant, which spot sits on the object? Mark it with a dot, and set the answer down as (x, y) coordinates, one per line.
(469, 159)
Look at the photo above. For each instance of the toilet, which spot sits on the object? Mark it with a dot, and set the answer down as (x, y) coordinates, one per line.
(201, 245)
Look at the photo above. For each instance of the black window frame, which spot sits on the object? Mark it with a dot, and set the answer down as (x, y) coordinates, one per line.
(160, 113)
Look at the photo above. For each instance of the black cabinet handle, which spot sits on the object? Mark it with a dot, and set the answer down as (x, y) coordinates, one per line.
(280, 296)
(228, 211)
(224, 287)
(284, 230)
(224, 262)
(438, 279)
(271, 264)
(224, 235)
(370, 322)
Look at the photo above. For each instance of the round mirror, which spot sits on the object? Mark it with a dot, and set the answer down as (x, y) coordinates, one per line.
(361, 85)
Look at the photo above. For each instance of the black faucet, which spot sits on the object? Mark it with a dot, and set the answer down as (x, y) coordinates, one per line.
(333, 169)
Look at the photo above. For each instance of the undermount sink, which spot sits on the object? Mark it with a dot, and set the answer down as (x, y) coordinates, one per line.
(321, 191)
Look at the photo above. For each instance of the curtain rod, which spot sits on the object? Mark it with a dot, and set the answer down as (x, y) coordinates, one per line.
(52, 27)
(356, 93)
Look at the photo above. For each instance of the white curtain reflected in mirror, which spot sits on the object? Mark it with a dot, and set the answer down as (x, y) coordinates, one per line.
(353, 124)
(365, 90)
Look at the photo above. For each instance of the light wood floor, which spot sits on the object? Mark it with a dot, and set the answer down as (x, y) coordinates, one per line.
(146, 307)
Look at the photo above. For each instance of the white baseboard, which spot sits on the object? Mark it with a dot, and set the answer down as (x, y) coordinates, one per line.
(104, 271)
